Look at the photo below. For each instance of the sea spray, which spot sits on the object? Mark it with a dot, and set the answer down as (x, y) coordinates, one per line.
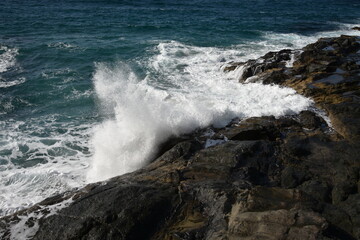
(143, 117)
(143, 113)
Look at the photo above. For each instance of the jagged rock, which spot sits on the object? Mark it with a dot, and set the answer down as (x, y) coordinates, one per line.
(292, 177)
(92, 216)
(270, 61)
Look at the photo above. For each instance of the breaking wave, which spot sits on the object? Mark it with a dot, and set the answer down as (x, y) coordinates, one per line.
(184, 89)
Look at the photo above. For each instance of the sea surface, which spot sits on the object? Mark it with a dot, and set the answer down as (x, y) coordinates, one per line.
(89, 89)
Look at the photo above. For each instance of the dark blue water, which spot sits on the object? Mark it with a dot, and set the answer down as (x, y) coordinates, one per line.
(56, 59)
(73, 35)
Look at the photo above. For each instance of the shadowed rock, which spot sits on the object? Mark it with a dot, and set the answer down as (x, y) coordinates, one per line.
(292, 177)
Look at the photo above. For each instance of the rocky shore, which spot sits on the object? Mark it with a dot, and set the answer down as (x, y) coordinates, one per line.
(294, 177)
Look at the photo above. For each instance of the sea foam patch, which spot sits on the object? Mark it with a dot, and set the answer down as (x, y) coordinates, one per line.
(6, 84)
(40, 159)
(7, 58)
(7, 62)
(26, 224)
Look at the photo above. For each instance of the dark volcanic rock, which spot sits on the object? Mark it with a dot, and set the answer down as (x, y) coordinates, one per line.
(272, 65)
(293, 177)
(92, 216)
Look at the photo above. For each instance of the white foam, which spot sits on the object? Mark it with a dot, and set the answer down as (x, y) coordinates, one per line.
(278, 41)
(63, 45)
(56, 160)
(208, 133)
(322, 113)
(75, 94)
(7, 58)
(6, 84)
(290, 63)
(184, 90)
(22, 230)
(253, 79)
(28, 225)
(237, 73)
(214, 142)
(55, 208)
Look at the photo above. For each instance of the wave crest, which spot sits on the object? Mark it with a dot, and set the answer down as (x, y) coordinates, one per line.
(143, 113)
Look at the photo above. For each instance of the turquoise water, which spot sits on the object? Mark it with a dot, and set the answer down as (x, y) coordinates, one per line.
(89, 88)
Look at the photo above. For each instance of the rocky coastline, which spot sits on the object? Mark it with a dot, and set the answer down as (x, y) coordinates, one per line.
(294, 177)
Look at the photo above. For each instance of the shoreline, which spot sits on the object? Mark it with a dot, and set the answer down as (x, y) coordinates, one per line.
(263, 177)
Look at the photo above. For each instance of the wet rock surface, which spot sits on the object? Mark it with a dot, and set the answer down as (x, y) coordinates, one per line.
(327, 71)
(293, 177)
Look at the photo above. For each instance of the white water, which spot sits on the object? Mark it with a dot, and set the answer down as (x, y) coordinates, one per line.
(7, 58)
(21, 229)
(8, 61)
(63, 45)
(185, 88)
(6, 84)
(61, 149)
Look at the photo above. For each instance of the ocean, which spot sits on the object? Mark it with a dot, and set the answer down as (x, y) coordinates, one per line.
(89, 89)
